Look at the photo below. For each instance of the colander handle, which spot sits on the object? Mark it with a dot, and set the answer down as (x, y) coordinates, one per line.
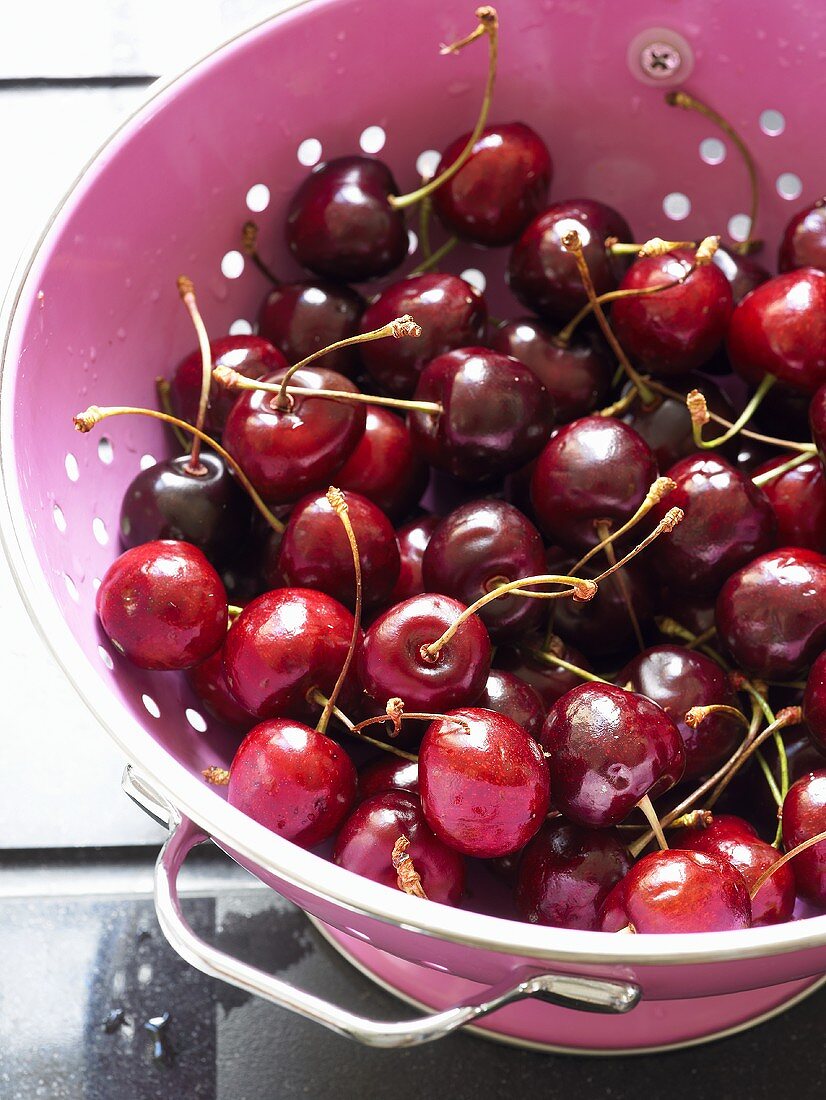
(587, 994)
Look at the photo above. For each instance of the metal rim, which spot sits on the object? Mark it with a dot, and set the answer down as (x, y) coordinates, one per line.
(229, 826)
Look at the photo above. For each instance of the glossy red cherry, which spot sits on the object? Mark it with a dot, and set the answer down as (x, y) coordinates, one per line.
(506, 694)
(804, 816)
(602, 627)
(814, 702)
(209, 682)
(727, 521)
(678, 891)
(497, 414)
(163, 606)
(293, 780)
(771, 614)
(609, 748)
(548, 681)
(577, 375)
(594, 470)
(500, 188)
(451, 314)
(565, 874)
(678, 329)
(365, 845)
(803, 243)
(302, 318)
(478, 546)
(484, 783)
(252, 356)
(413, 539)
(780, 329)
(282, 645)
(679, 679)
(744, 273)
(340, 224)
(388, 773)
(391, 663)
(286, 454)
(543, 274)
(384, 467)
(798, 500)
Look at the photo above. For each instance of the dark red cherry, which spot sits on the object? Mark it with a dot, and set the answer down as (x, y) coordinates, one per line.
(565, 874)
(302, 318)
(727, 521)
(166, 501)
(293, 780)
(484, 782)
(499, 189)
(594, 470)
(209, 682)
(780, 329)
(577, 375)
(744, 273)
(548, 681)
(543, 274)
(282, 645)
(413, 539)
(678, 329)
(388, 773)
(163, 606)
(803, 243)
(608, 749)
(365, 845)
(679, 679)
(506, 694)
(734, 840)
(771, 614)
(678, 891)
(814, 702)
(391, 662)
(384, 467)
(798, 500)
(804, 816)
(315, 551)
(340, 224)
(497, 414)
(252, 356)
(451, 314)
(479, 546)
(602, 627)
(286, 454)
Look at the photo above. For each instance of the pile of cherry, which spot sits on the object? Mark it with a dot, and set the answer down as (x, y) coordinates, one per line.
(629, 743)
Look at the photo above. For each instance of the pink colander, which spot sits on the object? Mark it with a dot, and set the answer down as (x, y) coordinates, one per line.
(94, 317)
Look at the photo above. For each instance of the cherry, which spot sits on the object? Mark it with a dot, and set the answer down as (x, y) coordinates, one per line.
(163, 606)
(804, 816)
(594, 470)
(252, 356)
(384, 467)
(209, 682)
(735, 841)
(771, 614)
(505, 693)
(499, 189)
(483, 782)
(452, 314)
(302, 318)
(678, 329)
(543, 274)
(289, 453)
(678, 891)
(167, 501)
(602, 627)
(315, 551)
(284, 644)
(679, 679)
(293, 780)
(727, 522)
(389, 773)
(478, 546)
(814, 702)
(609, 748)
(565, 874)
(780, 329)
(576, 374)
(743, 272)
(798, 500)
(392, 664)
(365, 845)
(549, 681)
(666, 424)
(817, 422)
(413, 539)
(803, 243)
(476, 439)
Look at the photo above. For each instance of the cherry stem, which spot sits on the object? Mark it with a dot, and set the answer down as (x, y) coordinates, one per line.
(604, 534)
(647, 807)
(186, 289)
(395, 713)
(407, 877)
(784, 859)
(435, 258)
(85, 421)
(551, 658)
(659, 489)
(783, 468)
(425, 213)
(218, 777)
(164, 391)
(655, 247)
(338, 502)
(667, 524)
(697, 715)
(314, 695)
(690, 103)
(572, 243)
(249, 246)
(621, 404)
(488, 25)
(742, 682)
(698, 409)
